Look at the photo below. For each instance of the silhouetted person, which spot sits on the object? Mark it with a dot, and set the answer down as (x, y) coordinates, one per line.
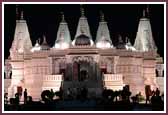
(157, 103)
(61, 93)
(148, 93)
(25, 96)
(125, 94)
(51, 94)
(6, 98)
(157, 92)
(104, 93)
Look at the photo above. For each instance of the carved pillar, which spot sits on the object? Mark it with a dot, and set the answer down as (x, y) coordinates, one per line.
(116, 58)
(91, 71)
(56, 67)
(94, 71)
(75, 71)
(70, 71)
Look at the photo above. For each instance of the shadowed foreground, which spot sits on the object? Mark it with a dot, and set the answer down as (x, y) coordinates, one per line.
(82, 105)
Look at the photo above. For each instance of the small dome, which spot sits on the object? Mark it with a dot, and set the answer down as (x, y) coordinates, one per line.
(83, 40)
(103, 44)
(121, 44)
(45, 47)
(37, 47)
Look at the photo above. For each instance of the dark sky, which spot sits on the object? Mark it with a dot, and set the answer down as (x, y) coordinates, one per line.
(122, 19)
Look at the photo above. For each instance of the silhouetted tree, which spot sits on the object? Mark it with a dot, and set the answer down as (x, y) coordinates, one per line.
(46, 96)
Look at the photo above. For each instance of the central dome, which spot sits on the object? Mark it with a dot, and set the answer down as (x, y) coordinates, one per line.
(83, 40)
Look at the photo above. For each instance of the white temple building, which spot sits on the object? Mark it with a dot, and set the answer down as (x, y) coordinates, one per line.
(81, 62)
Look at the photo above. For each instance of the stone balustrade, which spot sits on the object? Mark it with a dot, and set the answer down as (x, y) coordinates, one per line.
(113, 81)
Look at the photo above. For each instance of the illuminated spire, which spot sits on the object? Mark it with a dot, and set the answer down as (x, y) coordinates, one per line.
(63, 35)
(103, 39)
(22, 41)
(83, 24)
(144, 39)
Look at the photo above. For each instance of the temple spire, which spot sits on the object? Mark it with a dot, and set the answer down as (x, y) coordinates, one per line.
(144, 39)
(22, 41)
(103, 34)
(83, 23)
(63, 35)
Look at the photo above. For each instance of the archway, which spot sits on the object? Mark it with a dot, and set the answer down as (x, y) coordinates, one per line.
(84, 74)
(83, 68)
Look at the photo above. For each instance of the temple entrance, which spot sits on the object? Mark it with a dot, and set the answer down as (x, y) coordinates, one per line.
(83, 75)
(83, 69)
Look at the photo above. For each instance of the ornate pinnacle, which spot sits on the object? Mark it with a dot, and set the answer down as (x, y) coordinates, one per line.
(101, 16)
(22, 15)
(147, 10)
(126, 39)
(17, 12)
(44, 40)
(37, 41)
(120, 39)
(63, 17)
(143, 13)
(82, 10)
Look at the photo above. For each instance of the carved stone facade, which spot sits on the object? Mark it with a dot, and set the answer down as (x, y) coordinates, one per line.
(67, 65)
(94, 70)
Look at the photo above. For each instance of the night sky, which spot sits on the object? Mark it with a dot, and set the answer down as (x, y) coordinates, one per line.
(122, 19)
